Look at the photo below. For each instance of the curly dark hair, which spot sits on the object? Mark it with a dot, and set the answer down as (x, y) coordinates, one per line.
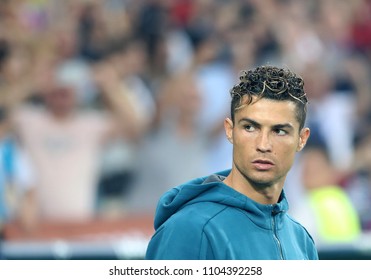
(272, 83)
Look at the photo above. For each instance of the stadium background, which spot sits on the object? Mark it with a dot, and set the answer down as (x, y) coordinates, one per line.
(172, 64)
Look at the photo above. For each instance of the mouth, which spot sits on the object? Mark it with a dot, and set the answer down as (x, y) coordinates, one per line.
(263, 164)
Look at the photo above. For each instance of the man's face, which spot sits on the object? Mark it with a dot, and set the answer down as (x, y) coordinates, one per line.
(265, 137)
(61, 101)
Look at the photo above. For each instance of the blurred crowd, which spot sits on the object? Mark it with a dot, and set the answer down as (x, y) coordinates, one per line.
(106, 104)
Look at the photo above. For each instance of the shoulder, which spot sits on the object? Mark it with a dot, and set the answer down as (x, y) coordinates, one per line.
(196, 215)
(183, 236)
(300, 229)
(27, 113)
(193, 222)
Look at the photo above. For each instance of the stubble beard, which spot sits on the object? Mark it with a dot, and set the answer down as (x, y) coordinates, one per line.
(256, 182)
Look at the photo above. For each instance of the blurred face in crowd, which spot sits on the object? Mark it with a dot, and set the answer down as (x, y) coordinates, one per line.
(188, 97)
(265, 136)
(61, 100)
(318, 169)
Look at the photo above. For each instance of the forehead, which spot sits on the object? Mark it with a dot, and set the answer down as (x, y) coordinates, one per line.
(269, 112)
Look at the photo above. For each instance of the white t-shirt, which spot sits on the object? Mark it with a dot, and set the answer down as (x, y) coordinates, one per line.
(65, 155)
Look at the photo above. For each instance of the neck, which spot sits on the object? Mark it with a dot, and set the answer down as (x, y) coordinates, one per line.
(264, 194)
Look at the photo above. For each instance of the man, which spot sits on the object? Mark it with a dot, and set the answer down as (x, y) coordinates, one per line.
(241, 213)
(65, 142)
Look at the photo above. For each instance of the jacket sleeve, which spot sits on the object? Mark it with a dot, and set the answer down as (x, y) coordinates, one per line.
(313, 253)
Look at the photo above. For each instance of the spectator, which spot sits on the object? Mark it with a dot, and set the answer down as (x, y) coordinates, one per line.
(214, 78)
(325, 208)
(358, 181)
(175, 149)
(121, 72)
(17, 180)
(331, 114)
(65, 142)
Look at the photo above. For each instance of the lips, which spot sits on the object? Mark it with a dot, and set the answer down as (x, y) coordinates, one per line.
(263, 164)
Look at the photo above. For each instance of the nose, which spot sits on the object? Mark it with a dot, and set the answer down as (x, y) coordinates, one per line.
(263, 142)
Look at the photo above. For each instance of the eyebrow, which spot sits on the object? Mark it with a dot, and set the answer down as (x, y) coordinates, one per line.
(276, 126)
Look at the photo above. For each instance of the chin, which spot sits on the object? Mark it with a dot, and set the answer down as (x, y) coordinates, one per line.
(262, 181)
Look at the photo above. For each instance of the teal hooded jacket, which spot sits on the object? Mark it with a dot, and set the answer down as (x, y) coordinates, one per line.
(205, 219)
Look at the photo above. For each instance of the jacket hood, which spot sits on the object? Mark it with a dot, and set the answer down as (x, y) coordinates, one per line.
(203, 190)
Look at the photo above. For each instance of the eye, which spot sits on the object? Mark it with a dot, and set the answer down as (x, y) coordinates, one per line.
(280, 132)
(249, 127)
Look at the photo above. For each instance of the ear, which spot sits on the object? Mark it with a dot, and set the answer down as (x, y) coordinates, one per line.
(304, 135)
(228, 126)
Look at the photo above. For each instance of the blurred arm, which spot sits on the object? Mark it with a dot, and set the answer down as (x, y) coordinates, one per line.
(120, 102)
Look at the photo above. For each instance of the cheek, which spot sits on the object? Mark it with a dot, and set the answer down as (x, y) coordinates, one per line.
(285, 152)
(243, 149)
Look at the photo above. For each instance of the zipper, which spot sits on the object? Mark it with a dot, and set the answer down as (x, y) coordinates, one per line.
(275, 234)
